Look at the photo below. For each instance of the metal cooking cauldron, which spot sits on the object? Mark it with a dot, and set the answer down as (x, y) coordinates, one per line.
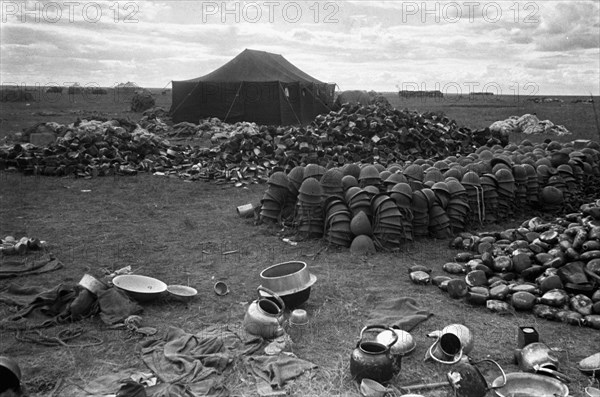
(467, 380)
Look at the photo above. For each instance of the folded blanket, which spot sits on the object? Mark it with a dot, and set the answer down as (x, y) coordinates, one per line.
(278, 370)
(403, 313)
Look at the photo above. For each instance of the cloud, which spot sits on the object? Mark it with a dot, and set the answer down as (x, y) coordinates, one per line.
(373, 44)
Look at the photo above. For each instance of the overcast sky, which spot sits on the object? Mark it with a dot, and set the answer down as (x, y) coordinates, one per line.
(543, 47)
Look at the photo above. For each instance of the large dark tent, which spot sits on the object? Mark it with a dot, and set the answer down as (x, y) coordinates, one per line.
(254, 86)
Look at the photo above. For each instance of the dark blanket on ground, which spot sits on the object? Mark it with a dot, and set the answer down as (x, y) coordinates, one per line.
(40, 307)
(403, 313)
(194, 365)
(27, 266)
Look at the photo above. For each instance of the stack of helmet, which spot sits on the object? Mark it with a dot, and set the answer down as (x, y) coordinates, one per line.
(520, 176)
(393, 180)
(295, 178)
(359, 200)
(442, 194)
(432, 175)
(274, 198)
(489, 185)
(351, 169)
(533, 187)
(414, 175)
(314, 171)
(402, 194)
(360, 225)
(383, 175)
(565, 171)
(331, 182)
(309, 211)
(551, 199)
(577, 162)
(420, 210)
(439, 222)
(458, 207)
(348, 181)
(337, 222)
(388, 233)
(472, 184)
(369, 176)
(544, 171)
(506, 192)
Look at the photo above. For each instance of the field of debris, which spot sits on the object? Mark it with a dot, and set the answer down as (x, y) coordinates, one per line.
(181, 226)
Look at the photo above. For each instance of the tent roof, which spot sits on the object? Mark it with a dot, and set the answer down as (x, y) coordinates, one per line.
(257, 66)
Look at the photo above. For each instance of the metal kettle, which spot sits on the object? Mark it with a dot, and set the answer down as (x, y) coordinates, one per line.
(373, 360)
(264, 317)
(538, 358)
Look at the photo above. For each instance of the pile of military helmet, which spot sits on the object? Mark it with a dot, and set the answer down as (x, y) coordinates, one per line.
(245, 153)
(550, 268)
(381, 208)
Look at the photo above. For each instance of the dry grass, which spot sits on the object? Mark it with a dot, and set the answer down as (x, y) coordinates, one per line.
(185, 233)
(181, 233)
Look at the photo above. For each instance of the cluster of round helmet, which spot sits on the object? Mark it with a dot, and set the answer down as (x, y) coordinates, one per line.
(309, 210)
(274, 197)
(433, 198)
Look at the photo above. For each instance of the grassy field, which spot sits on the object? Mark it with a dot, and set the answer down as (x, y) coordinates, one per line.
(183, 233)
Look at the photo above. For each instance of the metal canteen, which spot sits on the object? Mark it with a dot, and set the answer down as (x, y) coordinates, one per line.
(467, 380)
(264, 316)
(373, 360)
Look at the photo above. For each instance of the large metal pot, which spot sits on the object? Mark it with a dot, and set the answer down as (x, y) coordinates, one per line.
(373, 360)
(290, 280)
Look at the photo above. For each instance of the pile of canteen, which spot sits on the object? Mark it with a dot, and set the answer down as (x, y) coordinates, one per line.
(549, 268)
(245, 153)
(370, 207)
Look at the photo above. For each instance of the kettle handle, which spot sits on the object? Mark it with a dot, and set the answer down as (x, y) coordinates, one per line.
(499, 367)
(368, 327)
(273, 294)
(540, 369)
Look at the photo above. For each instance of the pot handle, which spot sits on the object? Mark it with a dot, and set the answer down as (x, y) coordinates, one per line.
(501, 371)
(368, 327)
(555, 374)
(273, 294)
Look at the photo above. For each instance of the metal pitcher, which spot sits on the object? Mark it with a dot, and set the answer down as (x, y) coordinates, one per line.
(467, 381)
(264, 316)
(539, 358)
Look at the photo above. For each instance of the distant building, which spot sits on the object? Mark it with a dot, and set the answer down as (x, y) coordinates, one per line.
(420, 94)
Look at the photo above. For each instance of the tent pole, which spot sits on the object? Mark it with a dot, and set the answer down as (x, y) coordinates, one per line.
(234, 100)
(185, 99)
(319, 99)
(288, 102)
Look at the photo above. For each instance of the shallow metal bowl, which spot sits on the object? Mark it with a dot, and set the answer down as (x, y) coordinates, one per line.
(182, 292)
(140, 288)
